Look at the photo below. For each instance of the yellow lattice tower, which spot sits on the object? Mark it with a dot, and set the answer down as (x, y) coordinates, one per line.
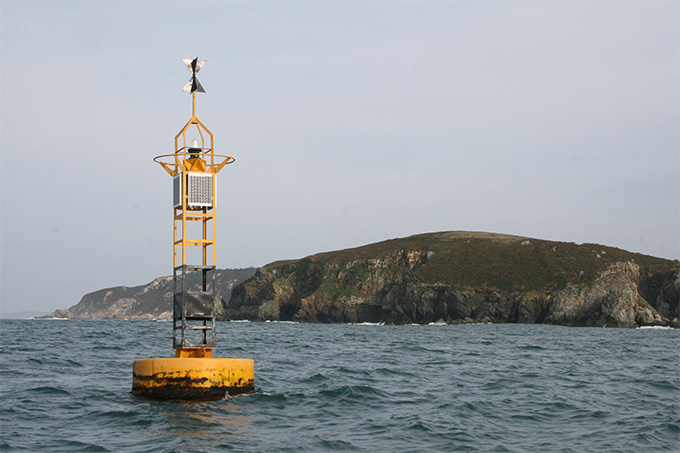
(193, 372)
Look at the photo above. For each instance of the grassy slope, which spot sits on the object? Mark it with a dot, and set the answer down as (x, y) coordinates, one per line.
(504, 262)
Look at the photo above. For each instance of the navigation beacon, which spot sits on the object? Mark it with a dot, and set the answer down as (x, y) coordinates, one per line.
(193, 372)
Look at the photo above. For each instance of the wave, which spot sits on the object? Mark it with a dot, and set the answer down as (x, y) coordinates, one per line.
(360, 393)
(478, 388)
(47, 390)
(48, 319)
(657, 327)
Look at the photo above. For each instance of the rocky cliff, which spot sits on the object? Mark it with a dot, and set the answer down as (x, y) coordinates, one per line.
(151, 301)
(459, 277)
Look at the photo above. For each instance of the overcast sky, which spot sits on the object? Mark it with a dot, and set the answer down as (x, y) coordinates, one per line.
(351, 122)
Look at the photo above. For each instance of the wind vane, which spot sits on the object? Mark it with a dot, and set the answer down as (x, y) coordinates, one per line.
(194, 66)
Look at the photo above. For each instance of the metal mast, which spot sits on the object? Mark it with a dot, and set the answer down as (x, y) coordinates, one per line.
(194, 166)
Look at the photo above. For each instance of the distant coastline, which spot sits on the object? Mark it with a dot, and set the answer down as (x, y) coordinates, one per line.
(455, 277)
(26, 314)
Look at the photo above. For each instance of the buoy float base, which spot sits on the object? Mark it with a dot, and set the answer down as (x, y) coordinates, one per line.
(187, 376)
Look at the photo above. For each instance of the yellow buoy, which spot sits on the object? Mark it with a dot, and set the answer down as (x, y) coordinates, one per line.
(193, 372)
(192, 377)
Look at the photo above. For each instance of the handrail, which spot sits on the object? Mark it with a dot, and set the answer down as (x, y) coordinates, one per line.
(213, 165)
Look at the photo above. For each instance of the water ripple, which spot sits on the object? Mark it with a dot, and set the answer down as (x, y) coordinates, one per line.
(510, 388)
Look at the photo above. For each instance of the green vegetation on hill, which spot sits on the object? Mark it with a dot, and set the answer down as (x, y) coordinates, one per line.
(504, 262)
(459, 277)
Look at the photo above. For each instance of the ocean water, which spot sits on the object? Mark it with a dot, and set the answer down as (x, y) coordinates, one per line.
(65, 386)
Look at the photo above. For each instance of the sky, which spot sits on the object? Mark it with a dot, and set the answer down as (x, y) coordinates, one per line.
(351, 122)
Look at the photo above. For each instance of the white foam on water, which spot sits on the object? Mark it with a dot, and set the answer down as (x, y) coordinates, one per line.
(656, 327)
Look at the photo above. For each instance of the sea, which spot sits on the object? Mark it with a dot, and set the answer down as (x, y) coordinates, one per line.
(65, 386)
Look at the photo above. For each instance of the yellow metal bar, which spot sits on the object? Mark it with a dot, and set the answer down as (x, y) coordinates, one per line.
(214, 222)
(182, 132)
(199, 242)
(184, 219)
(197, 121)
(215, 169)
(168, 169)
(200, 132)
(212, 151)
(174, 235)
(197, 217)
(195, 241)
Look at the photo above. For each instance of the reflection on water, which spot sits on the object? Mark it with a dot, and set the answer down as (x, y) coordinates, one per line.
(212, 423)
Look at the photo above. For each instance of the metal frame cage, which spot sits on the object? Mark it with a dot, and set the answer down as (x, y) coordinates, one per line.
(194, 307)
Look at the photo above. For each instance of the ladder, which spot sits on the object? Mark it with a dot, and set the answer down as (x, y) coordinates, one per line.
(194, 306)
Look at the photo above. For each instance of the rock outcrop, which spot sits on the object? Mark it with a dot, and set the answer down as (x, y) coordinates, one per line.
(459, 277)
(614, 299)
(151, 301)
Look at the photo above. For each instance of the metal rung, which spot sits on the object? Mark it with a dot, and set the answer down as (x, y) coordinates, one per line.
(187, 327)
(196, 242)
(196, 216)
(194, 267)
